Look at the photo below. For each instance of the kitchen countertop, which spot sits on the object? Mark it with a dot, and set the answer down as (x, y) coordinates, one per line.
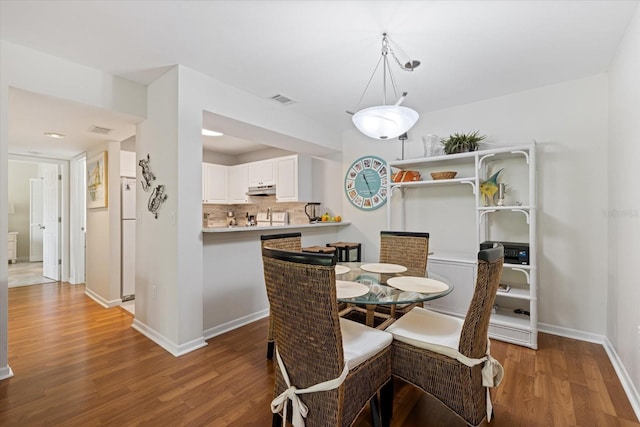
(273, 227)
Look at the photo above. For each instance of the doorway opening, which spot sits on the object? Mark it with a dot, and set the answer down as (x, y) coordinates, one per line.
(34, 221)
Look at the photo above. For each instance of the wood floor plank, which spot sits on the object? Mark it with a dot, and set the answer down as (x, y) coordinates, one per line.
(78, 364)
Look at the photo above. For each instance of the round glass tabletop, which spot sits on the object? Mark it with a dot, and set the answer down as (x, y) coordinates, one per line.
(381, 293)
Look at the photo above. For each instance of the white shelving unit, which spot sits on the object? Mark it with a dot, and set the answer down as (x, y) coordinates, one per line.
(510, 322)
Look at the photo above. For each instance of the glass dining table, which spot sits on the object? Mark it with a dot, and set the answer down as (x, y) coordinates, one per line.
(391, 288)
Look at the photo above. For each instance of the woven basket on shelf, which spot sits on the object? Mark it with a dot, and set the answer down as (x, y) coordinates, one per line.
(443, 175)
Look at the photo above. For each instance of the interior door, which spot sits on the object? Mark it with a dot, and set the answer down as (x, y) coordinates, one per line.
(50, 266)
(77, 220)
(36, 219)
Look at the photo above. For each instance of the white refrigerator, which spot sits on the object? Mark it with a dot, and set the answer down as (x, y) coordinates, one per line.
(128, 217)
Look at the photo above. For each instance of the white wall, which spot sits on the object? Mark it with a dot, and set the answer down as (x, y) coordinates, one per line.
(268, 153)
(20, 174)
(22, 68)
(103, 235)
(169, 272)
(233, 284)
(569, 122)
(623, 219)
(219, 158)
(161, 287)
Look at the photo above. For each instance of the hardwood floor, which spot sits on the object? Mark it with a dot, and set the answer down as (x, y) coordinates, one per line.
(78, 364)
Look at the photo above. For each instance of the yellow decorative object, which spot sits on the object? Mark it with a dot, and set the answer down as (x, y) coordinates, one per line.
(489, 188)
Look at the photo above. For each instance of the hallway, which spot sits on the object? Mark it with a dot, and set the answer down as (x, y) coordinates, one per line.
(26, 273)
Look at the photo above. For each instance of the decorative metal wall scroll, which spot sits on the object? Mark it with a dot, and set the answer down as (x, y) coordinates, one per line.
(147, 175)
(156, 199)
(157, 196)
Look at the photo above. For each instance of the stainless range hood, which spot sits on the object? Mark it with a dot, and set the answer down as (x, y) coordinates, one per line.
(262, 190)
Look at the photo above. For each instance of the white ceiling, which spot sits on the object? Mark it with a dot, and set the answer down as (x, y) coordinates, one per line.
(322, 53)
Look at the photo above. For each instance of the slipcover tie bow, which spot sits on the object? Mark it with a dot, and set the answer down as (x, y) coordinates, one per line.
(492, 373)
(300, 410)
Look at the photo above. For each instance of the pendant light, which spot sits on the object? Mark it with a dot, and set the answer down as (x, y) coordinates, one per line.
(386, 121)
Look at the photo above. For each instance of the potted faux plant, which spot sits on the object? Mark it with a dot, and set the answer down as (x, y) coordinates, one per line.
(461, 143)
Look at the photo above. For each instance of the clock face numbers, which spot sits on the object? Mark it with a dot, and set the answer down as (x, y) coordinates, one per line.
(365, 183)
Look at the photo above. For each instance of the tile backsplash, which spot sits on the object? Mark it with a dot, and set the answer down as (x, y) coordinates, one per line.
(218, 213)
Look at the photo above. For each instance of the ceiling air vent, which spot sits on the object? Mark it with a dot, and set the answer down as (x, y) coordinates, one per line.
(282, 99)
(101, 131)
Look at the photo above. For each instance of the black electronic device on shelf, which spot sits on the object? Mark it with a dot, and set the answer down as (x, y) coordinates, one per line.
(514, 253)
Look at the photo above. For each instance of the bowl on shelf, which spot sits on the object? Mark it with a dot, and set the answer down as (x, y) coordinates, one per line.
(443, 175)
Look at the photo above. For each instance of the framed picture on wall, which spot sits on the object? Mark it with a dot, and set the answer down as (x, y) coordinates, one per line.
(97, 181)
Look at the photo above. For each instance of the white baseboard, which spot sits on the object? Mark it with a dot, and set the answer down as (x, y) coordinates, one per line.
(175, 349)
(627, 384)
(103, 302)
(234, 324)
(73, 281)
(5, 372)
(570, 333)
(625, 379)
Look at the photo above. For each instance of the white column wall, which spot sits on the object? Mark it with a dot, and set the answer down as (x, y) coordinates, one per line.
(623, 316)
(22, 68)
(569, 122)
(161, 291)
(169, 271)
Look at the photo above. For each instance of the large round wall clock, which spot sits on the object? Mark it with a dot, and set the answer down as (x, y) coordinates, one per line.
(365, 183)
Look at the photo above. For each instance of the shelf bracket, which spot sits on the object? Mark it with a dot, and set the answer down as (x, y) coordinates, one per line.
(482, 159)
(390, 192)
(472, 184)
(526, 213)
(524, 153)
(525, 272)
(483, 213)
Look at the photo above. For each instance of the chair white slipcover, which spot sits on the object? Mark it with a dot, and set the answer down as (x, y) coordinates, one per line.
(440, 334)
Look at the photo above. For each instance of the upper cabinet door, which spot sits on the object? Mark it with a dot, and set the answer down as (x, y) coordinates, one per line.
(294, 179)
(214, 184)
(262, 173)
(287, 186)
(238, 183)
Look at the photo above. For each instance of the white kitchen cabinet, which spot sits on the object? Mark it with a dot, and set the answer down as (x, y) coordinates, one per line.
(262, 173)
(238, 184)
(294, 179)
(514, 318)
(128, 163)
(214, 183)
(12, 254)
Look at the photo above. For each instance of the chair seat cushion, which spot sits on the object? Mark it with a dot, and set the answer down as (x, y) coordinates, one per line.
(429, 330)
(361, 342)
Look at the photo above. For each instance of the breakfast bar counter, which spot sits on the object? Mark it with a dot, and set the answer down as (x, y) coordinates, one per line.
(238, 229)
(234, 292)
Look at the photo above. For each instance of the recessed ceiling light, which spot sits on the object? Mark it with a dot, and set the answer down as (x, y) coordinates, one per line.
(207, 132)
(54, 135)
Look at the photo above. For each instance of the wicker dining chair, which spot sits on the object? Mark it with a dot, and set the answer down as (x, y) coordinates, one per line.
(410, 249)
(287, 242)
(447, 357)
(315, 345)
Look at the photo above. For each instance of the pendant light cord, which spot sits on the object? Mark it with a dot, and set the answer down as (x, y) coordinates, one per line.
(386, 48)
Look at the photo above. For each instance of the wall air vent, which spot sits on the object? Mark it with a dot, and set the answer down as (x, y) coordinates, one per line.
(282, 99)
(100, 130)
